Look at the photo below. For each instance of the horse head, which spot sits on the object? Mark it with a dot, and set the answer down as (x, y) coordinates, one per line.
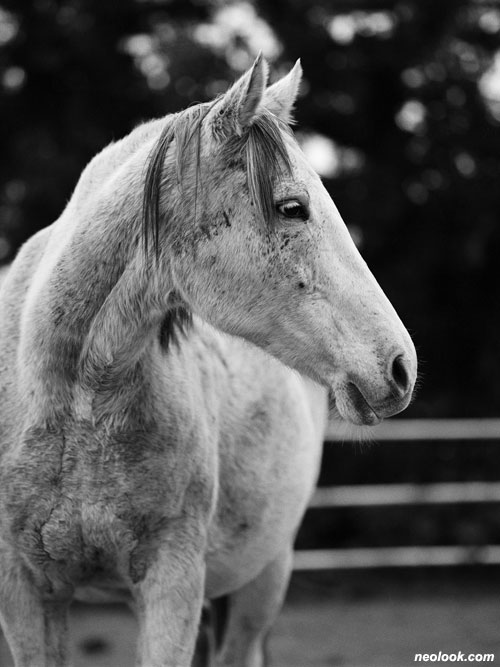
(260, 250)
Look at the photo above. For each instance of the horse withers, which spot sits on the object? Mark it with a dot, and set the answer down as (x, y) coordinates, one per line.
(167, 347)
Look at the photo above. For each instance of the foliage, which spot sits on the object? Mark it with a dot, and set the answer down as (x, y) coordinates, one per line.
(400, 95)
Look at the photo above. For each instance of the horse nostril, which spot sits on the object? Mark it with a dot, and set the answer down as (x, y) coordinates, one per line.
(400, 375)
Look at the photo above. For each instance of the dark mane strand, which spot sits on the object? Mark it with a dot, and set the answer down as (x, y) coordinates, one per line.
(152, 190)
(177, 322)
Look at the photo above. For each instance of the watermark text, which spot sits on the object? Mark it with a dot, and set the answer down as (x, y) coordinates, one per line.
(459, 656)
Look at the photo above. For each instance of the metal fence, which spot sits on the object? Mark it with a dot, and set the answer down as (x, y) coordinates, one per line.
(466, 432)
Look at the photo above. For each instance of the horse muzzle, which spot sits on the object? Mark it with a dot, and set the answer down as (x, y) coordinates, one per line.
(366, 399)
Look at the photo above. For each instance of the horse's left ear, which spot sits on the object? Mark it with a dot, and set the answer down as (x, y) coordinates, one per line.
(238, 107)
(280, 97)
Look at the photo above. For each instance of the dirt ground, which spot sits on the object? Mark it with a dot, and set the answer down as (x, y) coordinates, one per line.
(335, 622)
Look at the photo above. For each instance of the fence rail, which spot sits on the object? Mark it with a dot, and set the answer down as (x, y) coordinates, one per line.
(468, 431)
(386, 557)
(406, 494)
(404, 430)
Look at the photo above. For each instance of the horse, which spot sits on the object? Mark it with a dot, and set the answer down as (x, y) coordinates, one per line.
(169, 349)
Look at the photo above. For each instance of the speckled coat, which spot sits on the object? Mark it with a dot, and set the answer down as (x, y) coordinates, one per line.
(177, 465)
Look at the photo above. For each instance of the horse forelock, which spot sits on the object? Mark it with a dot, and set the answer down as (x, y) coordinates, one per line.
(266, 160)
(262, 149)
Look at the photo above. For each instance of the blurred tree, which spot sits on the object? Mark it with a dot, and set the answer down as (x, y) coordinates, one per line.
(75, 75)
(400, 114)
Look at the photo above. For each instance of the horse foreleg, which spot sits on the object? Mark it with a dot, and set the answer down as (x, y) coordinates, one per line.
(35, 629)
(169, 602)
(252, 611)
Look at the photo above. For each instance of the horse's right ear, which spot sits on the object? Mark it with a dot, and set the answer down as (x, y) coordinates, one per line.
(236, 109)
(280, 97)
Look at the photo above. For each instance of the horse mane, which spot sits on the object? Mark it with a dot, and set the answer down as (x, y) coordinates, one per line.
(184, 127)
(177, 322)
(261, 150)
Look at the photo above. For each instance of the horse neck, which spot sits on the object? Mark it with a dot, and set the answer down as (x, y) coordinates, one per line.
(94, 306)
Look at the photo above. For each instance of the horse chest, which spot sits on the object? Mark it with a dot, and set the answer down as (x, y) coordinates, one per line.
(81, 505)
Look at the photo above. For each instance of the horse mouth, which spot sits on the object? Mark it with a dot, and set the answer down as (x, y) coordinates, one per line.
(348, 401)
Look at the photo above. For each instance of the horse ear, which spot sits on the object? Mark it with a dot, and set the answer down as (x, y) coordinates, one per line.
(280, 97)
(241, 102)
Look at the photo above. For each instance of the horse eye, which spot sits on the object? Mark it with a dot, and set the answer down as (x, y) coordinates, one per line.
(293, 210)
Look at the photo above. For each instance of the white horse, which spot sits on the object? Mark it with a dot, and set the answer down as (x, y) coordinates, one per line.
(153, 435)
